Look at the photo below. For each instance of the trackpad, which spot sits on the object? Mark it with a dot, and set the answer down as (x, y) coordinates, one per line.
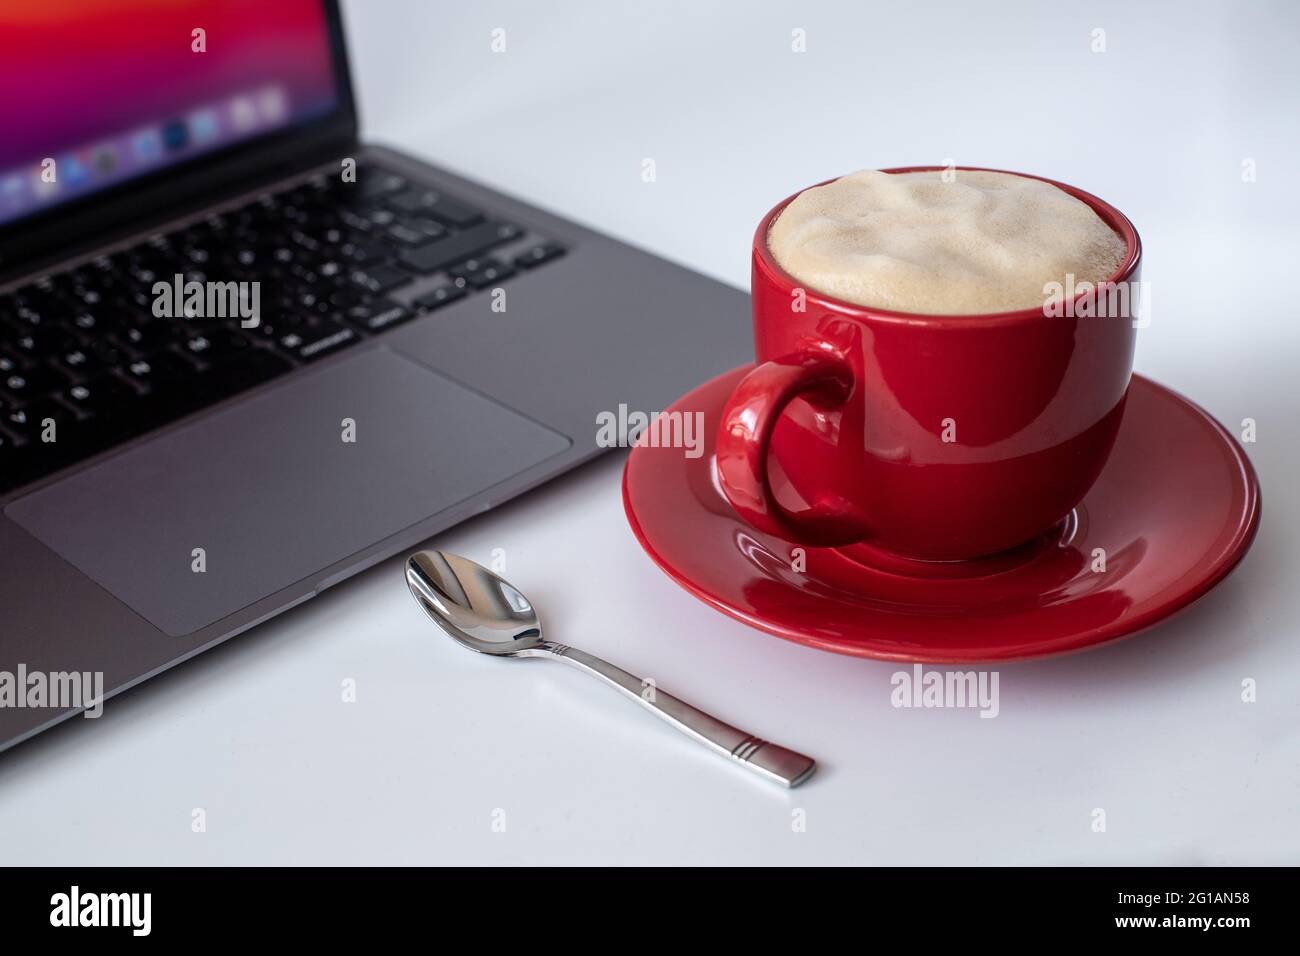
(273, 491)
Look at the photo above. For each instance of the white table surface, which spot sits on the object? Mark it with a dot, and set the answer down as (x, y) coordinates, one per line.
(439, 740)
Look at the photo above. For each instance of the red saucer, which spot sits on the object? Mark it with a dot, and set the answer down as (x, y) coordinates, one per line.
(1175, 509)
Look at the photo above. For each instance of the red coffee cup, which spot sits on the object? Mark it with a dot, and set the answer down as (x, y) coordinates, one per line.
(939, 437)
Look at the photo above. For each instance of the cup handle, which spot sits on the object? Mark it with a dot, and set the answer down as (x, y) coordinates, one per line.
(745, 436)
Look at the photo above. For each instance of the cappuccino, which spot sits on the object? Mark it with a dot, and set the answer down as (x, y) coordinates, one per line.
(983, 242)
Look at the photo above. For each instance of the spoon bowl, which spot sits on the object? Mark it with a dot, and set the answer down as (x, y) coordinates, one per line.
(476, 607)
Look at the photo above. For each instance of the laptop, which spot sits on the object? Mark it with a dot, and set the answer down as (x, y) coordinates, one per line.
(244, 356)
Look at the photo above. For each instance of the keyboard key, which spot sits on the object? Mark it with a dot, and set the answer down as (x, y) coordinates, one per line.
(89, 323)
(304, 240)
(379, 279)
(104, 352)
(481, 273)
(306, 301)
(37, 343)
(375, 182)
(80, 361)
(215, 345)
(17, 421)
(32, 381)
(453, 249)
(364, 252)
(379, 314)
(355, 220)
(146, 336)
(103, 395)
(161, 371)
(508, 231)
(538, 254)
(31, 421)
(438, 297)
(450, 212)
(408, 236)
(318, 341)
(426, 227)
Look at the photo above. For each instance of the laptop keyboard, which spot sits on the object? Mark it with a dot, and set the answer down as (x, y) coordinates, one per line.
(85, 363)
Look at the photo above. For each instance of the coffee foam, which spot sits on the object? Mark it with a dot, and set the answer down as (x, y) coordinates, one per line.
(910, 242)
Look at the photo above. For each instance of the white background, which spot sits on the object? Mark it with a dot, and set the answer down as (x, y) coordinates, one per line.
(1152, 730)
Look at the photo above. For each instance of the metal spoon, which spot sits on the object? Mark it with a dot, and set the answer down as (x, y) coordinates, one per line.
(484, 613)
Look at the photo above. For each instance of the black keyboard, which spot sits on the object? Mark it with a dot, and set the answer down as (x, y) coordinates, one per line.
(86, 363)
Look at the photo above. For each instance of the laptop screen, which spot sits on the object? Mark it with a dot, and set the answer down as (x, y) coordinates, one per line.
(94, 93)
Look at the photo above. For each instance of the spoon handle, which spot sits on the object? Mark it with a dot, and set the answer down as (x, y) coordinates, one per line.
(767, 759)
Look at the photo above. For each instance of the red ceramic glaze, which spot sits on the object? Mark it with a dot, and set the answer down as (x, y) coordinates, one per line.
(849, 407)
(1173, 511)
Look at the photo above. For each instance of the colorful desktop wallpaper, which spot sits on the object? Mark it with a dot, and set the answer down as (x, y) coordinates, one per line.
(112, 89)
